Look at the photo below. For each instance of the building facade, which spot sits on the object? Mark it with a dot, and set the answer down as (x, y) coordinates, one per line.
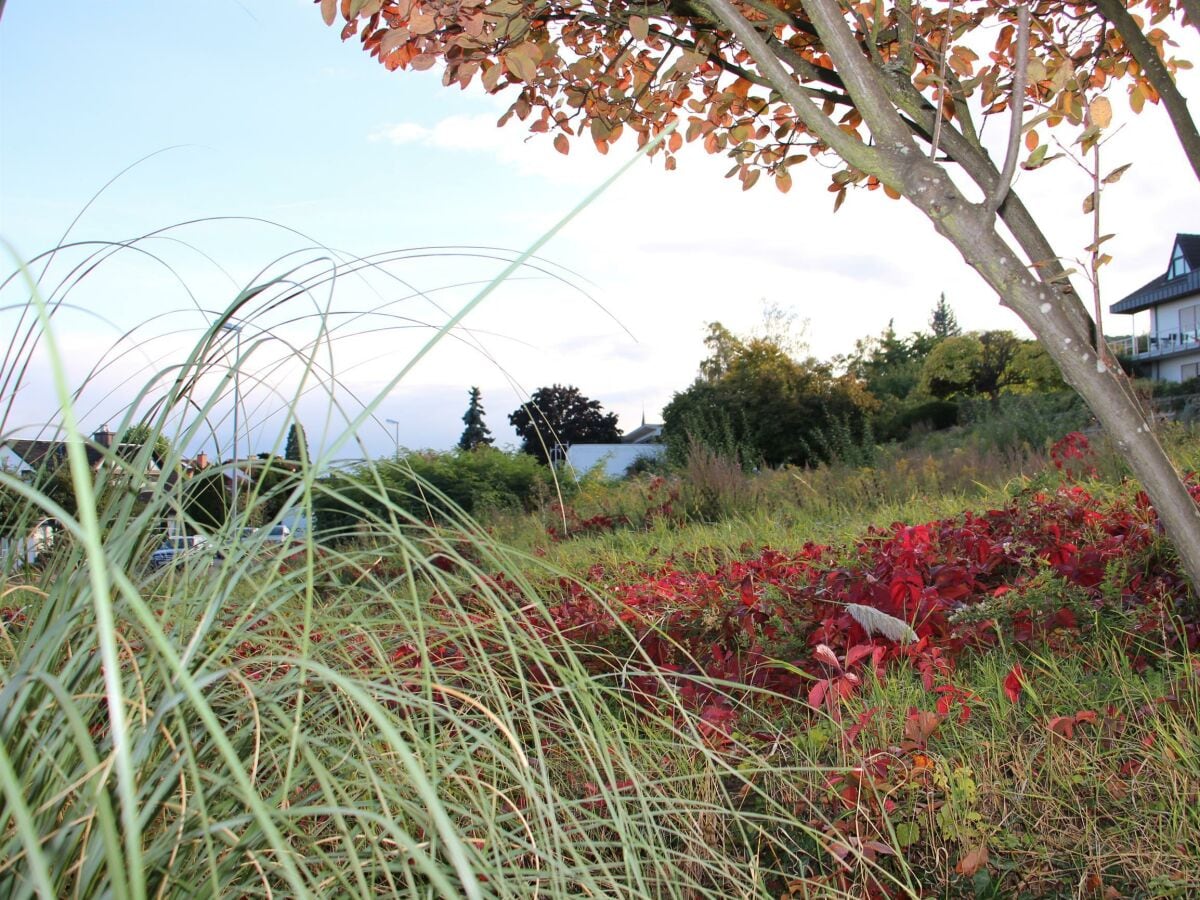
(1170, 349)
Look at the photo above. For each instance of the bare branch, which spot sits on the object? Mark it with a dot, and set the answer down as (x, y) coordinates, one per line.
(1016, 105)
(941, 91)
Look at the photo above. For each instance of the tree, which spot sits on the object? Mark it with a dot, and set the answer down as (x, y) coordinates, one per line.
(206, 501)
(986, 363)
(892, 89)
(888, 365)
(723, 347)
(561, 415)
(143, 434)
(767, 406)
(476, 434)
(297, 444)
(943, 322)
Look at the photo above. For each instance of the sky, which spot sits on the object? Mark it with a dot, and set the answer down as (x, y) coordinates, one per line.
(289, 151)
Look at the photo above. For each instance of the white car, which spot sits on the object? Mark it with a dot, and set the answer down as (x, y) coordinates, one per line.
(174, 547)
(279, 534)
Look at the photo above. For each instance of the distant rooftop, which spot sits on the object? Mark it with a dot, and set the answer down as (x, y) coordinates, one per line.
(1181, 279)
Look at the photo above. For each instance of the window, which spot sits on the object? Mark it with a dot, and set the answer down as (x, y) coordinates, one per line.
(1188, 317)
(1179, 266)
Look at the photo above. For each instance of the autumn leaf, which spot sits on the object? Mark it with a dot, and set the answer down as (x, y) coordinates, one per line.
(422, 23)
(920, 725)
(817, 693)
(1089, 202)
(561, 144)
(639, 27)
(824, 654)
(973, 861)
(1014, 681)
(522, 61)
(1115, 175)
(1064, 726)
(1137, 98)
(1100, 112)
(328, 11)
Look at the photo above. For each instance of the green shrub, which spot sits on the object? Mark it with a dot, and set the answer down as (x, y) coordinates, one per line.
(429, 485)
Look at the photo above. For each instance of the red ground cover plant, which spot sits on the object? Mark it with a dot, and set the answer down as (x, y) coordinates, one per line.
(779, 620)
(725, 649)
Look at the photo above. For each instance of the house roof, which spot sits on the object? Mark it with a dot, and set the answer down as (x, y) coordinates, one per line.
(1165, 288)
(643, 434)
(36, 453)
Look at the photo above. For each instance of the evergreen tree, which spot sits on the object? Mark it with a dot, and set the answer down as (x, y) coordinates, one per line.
(942, 323)
(297, 443)
(476, 434)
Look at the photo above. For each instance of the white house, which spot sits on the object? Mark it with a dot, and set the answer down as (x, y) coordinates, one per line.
(1170, 349)
(615, 458)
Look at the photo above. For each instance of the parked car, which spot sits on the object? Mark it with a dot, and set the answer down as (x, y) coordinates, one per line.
(173, 549)
(279, 534)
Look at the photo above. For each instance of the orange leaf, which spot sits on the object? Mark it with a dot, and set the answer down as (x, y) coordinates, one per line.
(972, 862)
(920, 725)
(328, 11)
(1064, 726)
(561, 144)
(422, 23)
(1137, 98)
(1031, 139)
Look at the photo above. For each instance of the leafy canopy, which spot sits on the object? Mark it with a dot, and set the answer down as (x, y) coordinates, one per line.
(562, 415)
(754, 400)
(596, 69)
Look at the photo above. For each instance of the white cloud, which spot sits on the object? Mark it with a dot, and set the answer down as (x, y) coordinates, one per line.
(403, 133)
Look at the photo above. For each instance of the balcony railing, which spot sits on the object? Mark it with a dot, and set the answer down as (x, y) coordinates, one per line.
(1148, 346)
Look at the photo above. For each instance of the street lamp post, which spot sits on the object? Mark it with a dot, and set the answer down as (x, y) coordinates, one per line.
(237, 399)
(395, 433)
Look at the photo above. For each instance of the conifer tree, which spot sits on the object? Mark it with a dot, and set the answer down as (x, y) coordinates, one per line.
(476, 434)
(297, 443)
(942, 323)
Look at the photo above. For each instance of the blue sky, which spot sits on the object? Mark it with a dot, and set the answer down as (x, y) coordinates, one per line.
(270, 116)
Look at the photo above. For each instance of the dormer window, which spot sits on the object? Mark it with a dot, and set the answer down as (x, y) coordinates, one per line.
(1179, 265)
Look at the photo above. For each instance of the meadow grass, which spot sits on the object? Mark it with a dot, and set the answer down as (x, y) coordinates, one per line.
(395, 708)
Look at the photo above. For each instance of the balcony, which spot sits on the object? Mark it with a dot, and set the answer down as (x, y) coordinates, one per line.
(1155, 346)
